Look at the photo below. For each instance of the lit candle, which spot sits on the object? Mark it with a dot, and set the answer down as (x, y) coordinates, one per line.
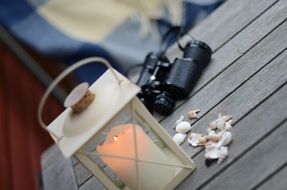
(120, 143)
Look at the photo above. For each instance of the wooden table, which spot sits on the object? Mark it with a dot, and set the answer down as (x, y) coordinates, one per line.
(246, 78)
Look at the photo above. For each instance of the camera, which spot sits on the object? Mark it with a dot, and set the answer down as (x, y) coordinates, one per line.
(163, 82)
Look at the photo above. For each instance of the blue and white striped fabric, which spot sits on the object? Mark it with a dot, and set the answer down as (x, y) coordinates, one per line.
(74, 29)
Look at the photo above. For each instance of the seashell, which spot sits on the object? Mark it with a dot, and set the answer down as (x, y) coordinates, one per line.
(220, 122)
(225, 117)
(181, 118)
(225, 139)
(178, 138)
(216, 146)
(212, 136)
(223, 154)
(183, 127)
(228, 125)
(210, 145)
(193, 114)
(196, 139)
(202, 140)
(209, 130)
(211, 151)
(212, 125)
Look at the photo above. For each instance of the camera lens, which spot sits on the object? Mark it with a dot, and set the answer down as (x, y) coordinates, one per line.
(164, 103)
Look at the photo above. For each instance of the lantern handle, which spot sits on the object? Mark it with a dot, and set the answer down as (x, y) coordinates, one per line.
(63, 75)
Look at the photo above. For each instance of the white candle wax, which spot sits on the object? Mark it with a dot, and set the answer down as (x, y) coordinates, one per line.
(120, 142)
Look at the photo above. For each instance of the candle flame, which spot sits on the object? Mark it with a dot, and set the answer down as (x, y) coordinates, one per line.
(115, 138)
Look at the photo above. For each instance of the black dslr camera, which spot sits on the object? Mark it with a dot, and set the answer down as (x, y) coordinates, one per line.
(163, 82)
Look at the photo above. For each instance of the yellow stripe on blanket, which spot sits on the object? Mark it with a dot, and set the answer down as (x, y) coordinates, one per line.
(86, 20)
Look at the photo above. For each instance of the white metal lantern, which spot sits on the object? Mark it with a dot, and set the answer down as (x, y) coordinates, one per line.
(114, 136)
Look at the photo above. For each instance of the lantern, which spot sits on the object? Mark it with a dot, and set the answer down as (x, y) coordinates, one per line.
(108, 129)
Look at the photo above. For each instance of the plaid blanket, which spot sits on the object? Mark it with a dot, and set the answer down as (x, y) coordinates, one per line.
(74, 29)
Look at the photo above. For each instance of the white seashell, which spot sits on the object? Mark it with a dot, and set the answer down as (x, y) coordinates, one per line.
(223, 154)
(228, 125)
(216, 146)
(193, 114)
(225, 117)
(220, 122)
(178, 138)
(183, 127)
(212, 136)
(225, 139)
(209, 130)
(181, 118)
(212, 125)
(210, 145)
(196, 139)
(202, 140)
(211, 151)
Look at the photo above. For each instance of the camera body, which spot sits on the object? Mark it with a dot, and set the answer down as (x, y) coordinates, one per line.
(163, 82)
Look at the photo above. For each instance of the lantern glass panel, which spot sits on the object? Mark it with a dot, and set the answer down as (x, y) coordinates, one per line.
(137, 165)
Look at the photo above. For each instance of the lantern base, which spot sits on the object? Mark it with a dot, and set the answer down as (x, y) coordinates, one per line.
(180, 172)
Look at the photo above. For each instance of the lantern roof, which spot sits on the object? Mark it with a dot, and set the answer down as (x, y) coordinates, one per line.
(75, 130)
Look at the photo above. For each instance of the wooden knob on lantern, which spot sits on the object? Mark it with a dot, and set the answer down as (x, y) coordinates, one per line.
(80, 98)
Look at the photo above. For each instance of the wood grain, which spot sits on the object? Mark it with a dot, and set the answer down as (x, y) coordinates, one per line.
(74, 160)
(254, 166)
(239, 45)
(50, 156)
(226, 22)
(248, 95)
(92, 183)
(278, 181)
(232, 78)
(246, 133)
(59, 175)
(82, 174)
(246, 78)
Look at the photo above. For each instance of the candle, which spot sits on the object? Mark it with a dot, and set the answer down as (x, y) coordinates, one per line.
(120, 143)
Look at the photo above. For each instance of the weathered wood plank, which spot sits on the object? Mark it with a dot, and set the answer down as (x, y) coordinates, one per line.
(246, 133)
(247, 96)
(229, 22)
(50, 156)
(232, 78)
(253, 167)
(74, 160)
(272, 77)
(275, 74)
(244, 41)
(59, 173)
(82, 174)
(92, 183)
(278, 181)
(265, 110)
(239, 45)
(226, 22)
